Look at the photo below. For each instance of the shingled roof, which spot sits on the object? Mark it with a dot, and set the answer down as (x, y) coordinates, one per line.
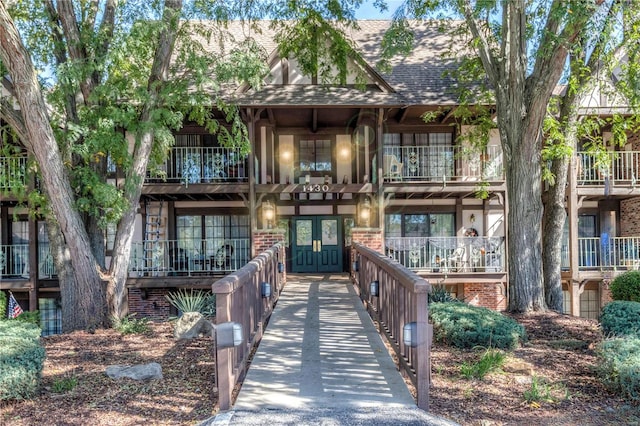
(417, 79)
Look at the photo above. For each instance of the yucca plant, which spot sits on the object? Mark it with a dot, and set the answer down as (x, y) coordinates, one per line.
(193, 301)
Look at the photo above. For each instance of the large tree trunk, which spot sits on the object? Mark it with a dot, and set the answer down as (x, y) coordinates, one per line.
(553, 230)
(84, 303)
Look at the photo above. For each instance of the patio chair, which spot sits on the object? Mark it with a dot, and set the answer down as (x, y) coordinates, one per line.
(456, 261)
(392, 167)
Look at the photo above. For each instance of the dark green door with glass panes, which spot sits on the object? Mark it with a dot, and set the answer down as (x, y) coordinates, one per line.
(316, 244)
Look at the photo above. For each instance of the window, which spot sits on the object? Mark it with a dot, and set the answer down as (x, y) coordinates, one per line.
(420, 225)
(315, 155)
(50, 316)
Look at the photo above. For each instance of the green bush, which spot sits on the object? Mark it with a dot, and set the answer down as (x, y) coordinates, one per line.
(466, 326)
(193, 301)
(32, 317)
(21, 359)
(131, 325)
(619, 367)
(620, 318)
(439, 293)
(3, 304)
(626, 286)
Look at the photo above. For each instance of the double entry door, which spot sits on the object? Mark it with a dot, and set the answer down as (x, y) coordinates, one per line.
(316, 244)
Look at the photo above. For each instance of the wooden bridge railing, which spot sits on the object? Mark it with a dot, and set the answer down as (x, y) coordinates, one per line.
(401, 300)
(239, 299)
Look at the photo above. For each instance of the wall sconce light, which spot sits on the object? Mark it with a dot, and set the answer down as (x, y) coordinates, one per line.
(472, 218)
(307, 179)
(410, 334)
(286, 155)
(344, 152)
(365, 212)
(228, 335)
(265, 290)
(374, 288)
(268, 213)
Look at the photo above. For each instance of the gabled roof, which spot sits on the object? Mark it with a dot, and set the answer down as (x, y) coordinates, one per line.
(418, 79)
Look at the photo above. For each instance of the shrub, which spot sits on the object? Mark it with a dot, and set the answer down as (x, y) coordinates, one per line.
(21, 359)
(466, 326)
(3, 304)
(32, 317)
(619, 367)
(626, 286)
(131, 325)
(620, 318)
(439, 293)
(193, 301)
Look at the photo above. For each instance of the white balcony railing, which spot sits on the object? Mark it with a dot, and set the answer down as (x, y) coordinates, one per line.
(189, 257)
(441, 163)
(448, 254)
(13, 172)
(609, 253)
(14, 261)
(189, 165)
(616, 167)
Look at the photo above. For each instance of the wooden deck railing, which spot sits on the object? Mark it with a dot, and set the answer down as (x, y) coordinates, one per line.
(239, 299)
(401, 300)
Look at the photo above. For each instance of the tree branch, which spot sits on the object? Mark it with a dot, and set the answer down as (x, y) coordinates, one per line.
(13, 117)
(483, 47)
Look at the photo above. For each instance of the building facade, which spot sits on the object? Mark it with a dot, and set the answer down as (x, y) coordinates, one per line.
(330, 165)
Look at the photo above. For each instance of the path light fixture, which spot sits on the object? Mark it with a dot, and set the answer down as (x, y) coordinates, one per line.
(374, 288)
(229, 334)
(355, 266)
(280, 267)
(410, 334)
(265, 290)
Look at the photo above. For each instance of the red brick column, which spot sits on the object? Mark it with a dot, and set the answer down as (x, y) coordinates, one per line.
(486, 295)
(368, 237)
(153, 305)
(264, 239)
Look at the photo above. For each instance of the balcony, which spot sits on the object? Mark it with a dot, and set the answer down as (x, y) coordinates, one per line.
(191, 165)
(613, 168)
(616, 253)
(188, 257)
(13, 171)
(448, 255)
(14, 261)
(441, 163)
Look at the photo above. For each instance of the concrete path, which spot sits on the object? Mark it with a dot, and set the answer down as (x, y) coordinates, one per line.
(321, 361)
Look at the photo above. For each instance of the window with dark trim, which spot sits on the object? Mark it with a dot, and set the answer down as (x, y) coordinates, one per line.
(315, 155)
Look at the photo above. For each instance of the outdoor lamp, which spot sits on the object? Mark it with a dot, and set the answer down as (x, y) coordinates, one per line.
(374, 288)
(268, 212)
(229, 334)
(365, 211)
(356, 266)
(410, 334)
(265, 290)
(280, 267)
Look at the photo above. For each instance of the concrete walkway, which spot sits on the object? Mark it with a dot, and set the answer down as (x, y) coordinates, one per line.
(321, 361)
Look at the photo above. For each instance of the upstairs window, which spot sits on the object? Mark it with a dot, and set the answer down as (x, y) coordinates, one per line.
(315, 156)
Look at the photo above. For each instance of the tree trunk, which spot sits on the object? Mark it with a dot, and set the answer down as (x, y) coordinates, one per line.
(524, 219)
(84, 303)
(553, 231)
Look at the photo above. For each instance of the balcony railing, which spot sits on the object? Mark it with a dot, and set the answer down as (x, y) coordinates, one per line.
(189, 165)
(189, 257)
(616, 167)
(12, 173)
(14, 261)
(441, 163)
(448, 254)
(609, 253)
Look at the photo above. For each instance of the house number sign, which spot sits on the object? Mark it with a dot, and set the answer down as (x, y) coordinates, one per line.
(315, 188)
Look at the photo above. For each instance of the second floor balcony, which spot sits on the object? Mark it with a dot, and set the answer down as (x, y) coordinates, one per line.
(13, 172)
(614, 168)
(190, 165)
(441, 163)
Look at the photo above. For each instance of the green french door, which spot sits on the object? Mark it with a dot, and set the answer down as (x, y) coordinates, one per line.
(316, 244)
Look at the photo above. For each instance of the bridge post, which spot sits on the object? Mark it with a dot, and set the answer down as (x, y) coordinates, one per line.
(423, 367)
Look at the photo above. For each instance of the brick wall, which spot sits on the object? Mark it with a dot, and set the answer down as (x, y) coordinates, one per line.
(605, 293)
(154, 307)
(630, 217)
(264, 239)
(492, 296)
(368, 237)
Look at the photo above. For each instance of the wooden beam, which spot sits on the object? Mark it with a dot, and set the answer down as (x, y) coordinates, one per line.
(402, 115)
(314, 124)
